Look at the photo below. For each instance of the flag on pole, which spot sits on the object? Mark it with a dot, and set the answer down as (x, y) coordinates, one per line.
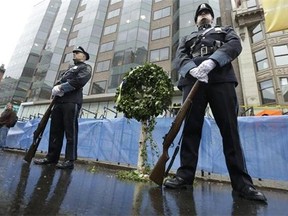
(275, 13)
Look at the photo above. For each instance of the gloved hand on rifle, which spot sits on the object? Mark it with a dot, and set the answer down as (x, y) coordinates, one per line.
(57, 91)
(201, 72)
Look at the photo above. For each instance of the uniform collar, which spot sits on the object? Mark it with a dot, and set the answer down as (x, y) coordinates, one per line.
(205, 26)
(77, 62)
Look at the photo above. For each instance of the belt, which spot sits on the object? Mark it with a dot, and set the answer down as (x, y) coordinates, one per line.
(203, 51)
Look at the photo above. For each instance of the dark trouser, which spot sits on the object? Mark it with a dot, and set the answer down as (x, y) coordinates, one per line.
(3, 135)
(223, 103)
(64, 119)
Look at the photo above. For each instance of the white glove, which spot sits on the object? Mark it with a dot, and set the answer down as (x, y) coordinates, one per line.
(56, 91)
(202, 77)
(206, 66)
(201, 72)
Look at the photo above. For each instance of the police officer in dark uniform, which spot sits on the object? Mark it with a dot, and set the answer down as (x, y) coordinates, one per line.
(206, 55)
(64, 117)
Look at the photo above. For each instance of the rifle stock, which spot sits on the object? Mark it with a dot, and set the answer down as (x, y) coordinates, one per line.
(37, 134)
(158, 172)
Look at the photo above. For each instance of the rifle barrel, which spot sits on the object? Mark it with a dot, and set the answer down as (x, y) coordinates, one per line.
(37, 135)
(158, 172)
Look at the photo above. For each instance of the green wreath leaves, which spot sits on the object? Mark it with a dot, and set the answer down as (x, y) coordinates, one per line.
(146, 91)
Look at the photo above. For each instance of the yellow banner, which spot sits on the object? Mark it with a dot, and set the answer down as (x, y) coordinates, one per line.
(275, 12)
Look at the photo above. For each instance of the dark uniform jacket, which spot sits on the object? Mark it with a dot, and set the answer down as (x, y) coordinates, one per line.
(223, 46)
(8, 118)
(72, 82)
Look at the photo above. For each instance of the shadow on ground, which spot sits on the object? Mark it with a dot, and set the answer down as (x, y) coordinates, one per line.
(43, 190)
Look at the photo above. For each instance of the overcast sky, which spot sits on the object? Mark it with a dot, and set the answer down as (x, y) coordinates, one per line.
(13, 17)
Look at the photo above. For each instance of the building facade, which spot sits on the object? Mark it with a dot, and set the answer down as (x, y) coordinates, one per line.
(121, 34)
(263, 63)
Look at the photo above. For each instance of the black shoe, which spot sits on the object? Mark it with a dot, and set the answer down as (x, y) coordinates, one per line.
(176, 183)
(65, 165)
(43, 161)
(250, 193)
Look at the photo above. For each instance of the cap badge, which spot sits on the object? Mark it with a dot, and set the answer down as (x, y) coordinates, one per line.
(218, 29)
(202, 6)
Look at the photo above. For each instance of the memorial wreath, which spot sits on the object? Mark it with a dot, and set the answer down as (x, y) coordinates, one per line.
(145, 93)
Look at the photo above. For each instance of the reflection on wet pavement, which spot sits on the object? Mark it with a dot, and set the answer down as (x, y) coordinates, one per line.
(43, 190)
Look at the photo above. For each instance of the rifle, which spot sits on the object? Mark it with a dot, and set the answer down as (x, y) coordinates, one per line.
(37, 135)
(158, 172)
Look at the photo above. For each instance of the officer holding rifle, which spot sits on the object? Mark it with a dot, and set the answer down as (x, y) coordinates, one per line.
(68, 96)
(206, 55)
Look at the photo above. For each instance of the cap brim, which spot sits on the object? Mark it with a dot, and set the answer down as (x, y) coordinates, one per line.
(78, 50)
(203, 10)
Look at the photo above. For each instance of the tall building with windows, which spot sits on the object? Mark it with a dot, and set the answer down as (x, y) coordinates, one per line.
(264, 59)
(121, 34)
(17, 82)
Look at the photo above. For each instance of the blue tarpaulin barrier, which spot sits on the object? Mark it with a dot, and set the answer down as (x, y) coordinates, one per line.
(264, 142)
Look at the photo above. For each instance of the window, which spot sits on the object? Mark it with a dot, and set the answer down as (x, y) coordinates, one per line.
(132, 35)
(261, 60)
(160, 33)
(129, 56)
(161, 13)
(284, 88)
(118, 58)
(267, 92)
(128, 17)
(103, 66)
(113, 13)
(159, 55)
(110, 29)
(251, 4)
(123, 57)
(99, 87)
(281, 55)
(141, 55)
(122, 36)
(256, 33)
(106, 46)
(115, 81)
(33, 59)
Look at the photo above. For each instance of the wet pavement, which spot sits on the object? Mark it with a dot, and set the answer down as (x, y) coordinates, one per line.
(92, 190)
